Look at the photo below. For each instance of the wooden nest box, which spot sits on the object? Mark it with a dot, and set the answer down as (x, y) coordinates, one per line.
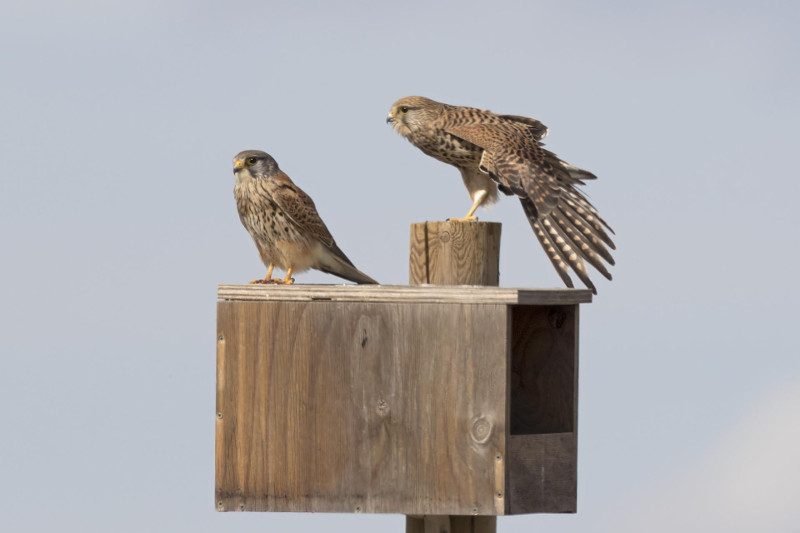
(416, 400)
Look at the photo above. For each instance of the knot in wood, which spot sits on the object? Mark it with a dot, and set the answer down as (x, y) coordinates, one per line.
(481, 430)
(444, 236)
(382, 408)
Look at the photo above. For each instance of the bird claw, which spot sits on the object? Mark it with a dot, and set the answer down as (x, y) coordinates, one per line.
(270, 281)
(471, 218)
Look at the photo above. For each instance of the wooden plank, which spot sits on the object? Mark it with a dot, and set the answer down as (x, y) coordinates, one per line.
(404, 293)
(463, 253)
(542, 473)
(361, 407)
(542, 445)
(543, 369)
(455, 253)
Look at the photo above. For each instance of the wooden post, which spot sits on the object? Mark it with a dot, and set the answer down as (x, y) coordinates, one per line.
(451, 524)
(454, 253)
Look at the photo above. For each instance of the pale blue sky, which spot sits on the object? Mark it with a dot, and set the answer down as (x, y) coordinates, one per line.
(118, 122)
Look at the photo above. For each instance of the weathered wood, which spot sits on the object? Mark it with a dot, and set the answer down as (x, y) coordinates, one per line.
(542, 446)
(450, 404)
(451, 524)
(543, 369)
(404, 293)
(361, 407)
(542, 473)
(455, 253)
(459, 253)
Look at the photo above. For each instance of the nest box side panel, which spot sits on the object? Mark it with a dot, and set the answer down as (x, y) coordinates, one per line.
(361, 407)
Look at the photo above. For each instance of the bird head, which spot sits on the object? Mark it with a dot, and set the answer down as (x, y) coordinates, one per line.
(254, 164)
(413, 113)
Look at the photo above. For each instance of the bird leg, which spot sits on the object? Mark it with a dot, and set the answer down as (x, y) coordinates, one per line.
(480, 196)
(288, 280)
(268, 279)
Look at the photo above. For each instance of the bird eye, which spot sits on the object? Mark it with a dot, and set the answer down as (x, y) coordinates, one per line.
(251, 160)
(404, 109)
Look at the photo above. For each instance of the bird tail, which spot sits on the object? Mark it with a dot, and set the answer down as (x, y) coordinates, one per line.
(571, 233)
(335, 262)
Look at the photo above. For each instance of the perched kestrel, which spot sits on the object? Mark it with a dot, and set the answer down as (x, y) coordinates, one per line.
(284, 222)
(505, 152)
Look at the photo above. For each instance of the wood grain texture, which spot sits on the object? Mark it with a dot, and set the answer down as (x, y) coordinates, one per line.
(440, 402)
(542, 473)
(403, 293)
(361, 407)
(455, 253)
(462, 253)
(543, 369)
(542, 445)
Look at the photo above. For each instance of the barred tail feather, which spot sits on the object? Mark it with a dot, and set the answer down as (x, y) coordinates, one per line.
(584, 249)
(575, 261)
(553, 253)
(586, 210)
(565, 245)
(597, 239)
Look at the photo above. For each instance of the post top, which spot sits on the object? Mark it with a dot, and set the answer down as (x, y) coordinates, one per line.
(468, 294)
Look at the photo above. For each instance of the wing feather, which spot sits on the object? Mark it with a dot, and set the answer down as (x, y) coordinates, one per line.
(567, 226)
(299, 208)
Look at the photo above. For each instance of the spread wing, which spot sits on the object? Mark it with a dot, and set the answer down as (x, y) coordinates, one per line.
(514, 159)
(566, 224)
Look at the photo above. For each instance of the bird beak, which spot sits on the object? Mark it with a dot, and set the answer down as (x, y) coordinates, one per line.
(389, 119)
(237, 165)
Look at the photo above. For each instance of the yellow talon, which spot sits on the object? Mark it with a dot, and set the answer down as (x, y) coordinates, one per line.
(268, 279)
(468, 218)
(288, 280)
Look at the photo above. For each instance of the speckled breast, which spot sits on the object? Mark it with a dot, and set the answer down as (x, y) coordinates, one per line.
(264, 220)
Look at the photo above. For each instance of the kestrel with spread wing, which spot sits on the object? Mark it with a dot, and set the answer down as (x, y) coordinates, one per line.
(505, 152)
(284, 222)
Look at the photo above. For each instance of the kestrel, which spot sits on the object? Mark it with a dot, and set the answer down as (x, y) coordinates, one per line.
(284, 222)
(505, 152)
